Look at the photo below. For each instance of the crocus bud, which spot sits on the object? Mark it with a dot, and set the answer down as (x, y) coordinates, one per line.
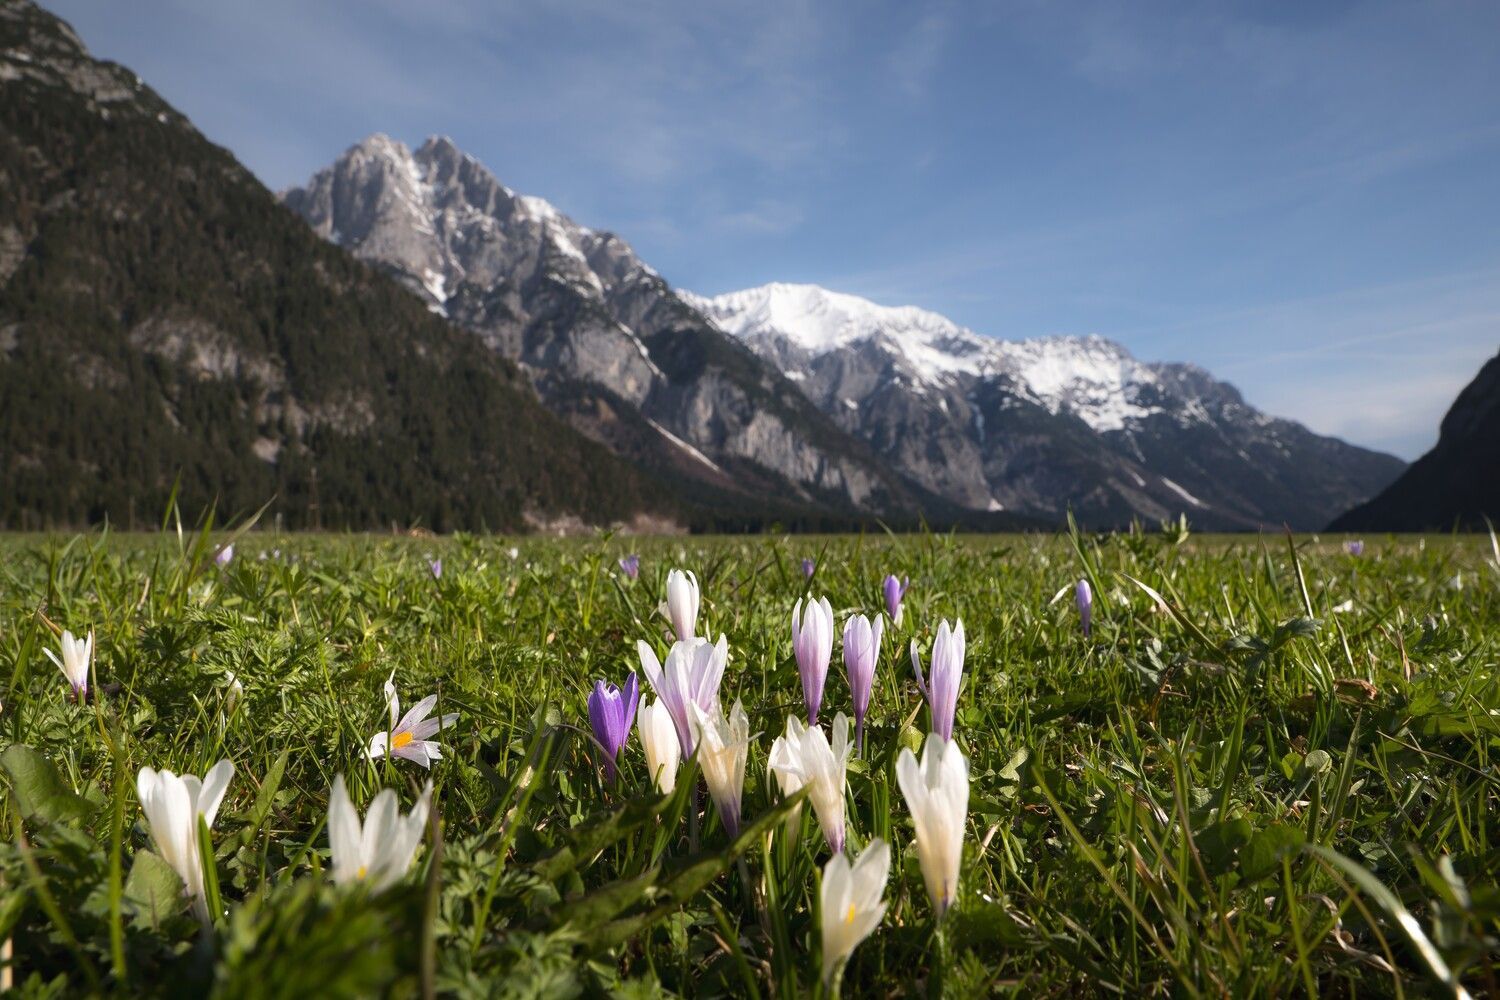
(682, 603)
(722, 750)
(895, 591)
(937, 796)
(783, 764)
(631, 566)
(611, 714)
(812, 642)
(222, 557)
(809, 567)
(1085, 598)
(436, 565)
(659, 741)
(1354, 547)
(947, 673)
(861, 655)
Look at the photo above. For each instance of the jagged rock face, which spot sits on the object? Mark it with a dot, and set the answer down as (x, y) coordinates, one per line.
(1457, 483)
(600, 332)
(1040, 426)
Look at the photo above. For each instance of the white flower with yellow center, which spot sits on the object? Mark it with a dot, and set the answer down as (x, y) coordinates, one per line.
(850, 903)
(377, 852)
(408, 735)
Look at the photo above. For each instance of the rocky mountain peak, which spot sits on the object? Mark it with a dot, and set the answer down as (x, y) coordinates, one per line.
(584, 316)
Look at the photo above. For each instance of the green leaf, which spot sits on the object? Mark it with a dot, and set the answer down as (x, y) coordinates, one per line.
(1220, 842)
(39, 790)
(264, 800)
(210, 869)
(154, 888)
(1316, 762)
(1262, 855)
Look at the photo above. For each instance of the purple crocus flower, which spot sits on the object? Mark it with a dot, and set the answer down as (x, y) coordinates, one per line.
(436, 565)
(631, 565)
(895, 590)
(947, 673)
(611, 714)
(1085, 599)
(812, 642)
(861, 655)
(690, 676)
(1354, 547)
(809, 567)
(222, 557)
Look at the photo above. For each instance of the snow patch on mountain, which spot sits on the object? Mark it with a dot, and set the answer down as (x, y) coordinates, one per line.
(1095, 379)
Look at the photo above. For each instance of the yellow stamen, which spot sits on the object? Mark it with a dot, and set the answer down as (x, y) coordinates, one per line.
(849, 917)
(400, 740)
(361, 872)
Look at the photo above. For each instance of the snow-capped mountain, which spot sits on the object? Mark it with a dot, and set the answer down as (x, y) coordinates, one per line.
(1041, 425)
(606, 341)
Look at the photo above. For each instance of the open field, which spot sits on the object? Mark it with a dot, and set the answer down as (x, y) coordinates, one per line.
(1278, 779)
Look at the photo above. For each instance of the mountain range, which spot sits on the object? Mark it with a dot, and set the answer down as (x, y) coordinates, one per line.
(841, 399)
(1047, 424)
(405, 339)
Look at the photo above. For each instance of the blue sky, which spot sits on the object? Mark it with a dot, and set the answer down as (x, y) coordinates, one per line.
(1303, 198)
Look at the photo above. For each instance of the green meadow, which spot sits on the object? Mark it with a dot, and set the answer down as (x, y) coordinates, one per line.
(1270, 770)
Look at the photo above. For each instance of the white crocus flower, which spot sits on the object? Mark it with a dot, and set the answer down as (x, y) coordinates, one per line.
(408, 737)
(77, 656)
(783, 764)
(850, 902)
(723, 745)
(659, 740)
(937, 794)
(682, 603)
(172, 805)
(806, 753)
(377, 852)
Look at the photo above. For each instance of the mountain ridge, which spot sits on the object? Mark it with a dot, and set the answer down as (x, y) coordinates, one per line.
(1047, 424)
(167, 327)
(1454, 485)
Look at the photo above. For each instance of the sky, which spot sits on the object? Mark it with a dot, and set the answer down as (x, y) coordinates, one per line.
(1303, 198)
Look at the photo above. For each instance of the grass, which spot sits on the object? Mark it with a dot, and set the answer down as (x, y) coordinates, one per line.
(1270, 771)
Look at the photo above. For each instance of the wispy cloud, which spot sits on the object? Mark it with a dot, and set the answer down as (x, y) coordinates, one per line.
(919, 51)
